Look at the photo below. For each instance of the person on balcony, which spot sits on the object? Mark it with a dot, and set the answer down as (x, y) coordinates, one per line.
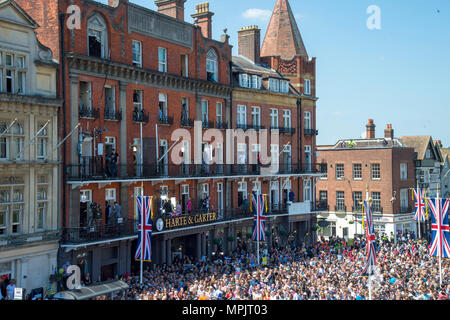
(114, 161)
(189, 206)
(108, 212)
(178, 209)
(117, 211)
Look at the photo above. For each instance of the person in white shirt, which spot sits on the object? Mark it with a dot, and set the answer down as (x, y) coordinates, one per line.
(10, 290)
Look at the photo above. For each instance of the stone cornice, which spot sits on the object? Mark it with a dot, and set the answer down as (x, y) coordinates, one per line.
(30, 100)
(79, 64)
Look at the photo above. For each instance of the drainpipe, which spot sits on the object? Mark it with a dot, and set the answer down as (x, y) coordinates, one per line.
(63, 94)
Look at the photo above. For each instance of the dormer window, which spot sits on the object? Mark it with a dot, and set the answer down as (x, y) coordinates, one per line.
(256, 82)
(284, 86)
(274, 85)
(97, 37)
(244, 80)
(212, 63)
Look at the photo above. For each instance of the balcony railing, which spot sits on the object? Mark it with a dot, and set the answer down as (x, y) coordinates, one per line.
(207, 124)
(340, 208)
(357, 209)
(405, 209)
(140, 116)
(221, 125)
(112, 115)
(90, 113)
(322, 206)
(186, 122)
(96, 168)
(287, 130)
(165, 120)
(311, 132)
(97, 232)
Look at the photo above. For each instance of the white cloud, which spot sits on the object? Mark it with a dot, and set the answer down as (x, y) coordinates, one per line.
(257, 14)
(298, 16)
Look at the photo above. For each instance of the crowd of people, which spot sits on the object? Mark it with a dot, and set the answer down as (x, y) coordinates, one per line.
(331, 270)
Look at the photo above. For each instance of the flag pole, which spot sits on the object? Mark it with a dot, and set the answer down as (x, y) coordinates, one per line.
(142, 213)
(420, 213)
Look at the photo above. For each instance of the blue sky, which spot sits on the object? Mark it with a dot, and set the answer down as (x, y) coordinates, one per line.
(399, 74)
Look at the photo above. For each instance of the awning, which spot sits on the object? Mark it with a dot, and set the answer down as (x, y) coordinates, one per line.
(92, 291)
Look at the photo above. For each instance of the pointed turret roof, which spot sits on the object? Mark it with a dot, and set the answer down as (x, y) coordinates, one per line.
(283, 37)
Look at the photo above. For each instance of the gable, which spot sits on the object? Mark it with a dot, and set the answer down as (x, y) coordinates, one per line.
(11, 12)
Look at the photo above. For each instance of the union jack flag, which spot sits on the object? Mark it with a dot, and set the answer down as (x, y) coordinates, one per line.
(258, 209)
(144, 247)
(370, 235)
(440, 242)
(420, 204)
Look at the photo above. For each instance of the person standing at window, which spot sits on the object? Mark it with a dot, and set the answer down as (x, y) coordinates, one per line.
(114, 161)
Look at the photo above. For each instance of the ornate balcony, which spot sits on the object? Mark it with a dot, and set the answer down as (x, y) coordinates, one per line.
(112, 115)
(140, 116)
(89, 113)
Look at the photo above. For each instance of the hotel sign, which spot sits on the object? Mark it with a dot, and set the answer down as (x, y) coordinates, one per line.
(189, 220)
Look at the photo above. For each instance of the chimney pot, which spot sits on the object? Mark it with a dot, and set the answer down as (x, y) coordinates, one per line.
(370, 129)
(204, 18)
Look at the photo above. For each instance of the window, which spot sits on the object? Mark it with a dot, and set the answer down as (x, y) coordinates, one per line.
(162, 107)
(403, 171)
(307, 86)
(357, 201)
(86, 196)
(256, 116)
(9, 81)
(137, 53)
(357, 171)
(42, 203)
(184, 65)
(162, 58)
(323, 197)
(21, 62)
(85, 96)
(428, 154)
(205, 111)
(375, 169)
(241, 115)
(404, 204)
(11, 141)
(110, 194)
(339, 171)
(137, 100)
(110, 100)
(184, 109)
(9, 60)
(42, 141)
(287, 119)
(219, 111)
(244, 80)
(274, 118)
(11, 206)
(21, 82)
(274, 85)
(340, 201)
(212, 65)
(307, 190)
(284, 86)
(242, 192)
(97, 37)
(256, 82)
(376, 201)
(307, 120)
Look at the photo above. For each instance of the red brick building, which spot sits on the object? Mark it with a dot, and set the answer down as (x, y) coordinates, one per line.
(382, 166)
(132, 78)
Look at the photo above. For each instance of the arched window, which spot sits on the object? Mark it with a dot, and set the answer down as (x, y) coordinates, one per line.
(97, 37)
(212, 66)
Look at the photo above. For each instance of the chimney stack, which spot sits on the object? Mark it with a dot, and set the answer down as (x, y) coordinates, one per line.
(249, 43)
(389, 132)
(203, 18)
(370, 130)
(171, 8)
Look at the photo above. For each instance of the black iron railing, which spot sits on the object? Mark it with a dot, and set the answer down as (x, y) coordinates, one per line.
(287, 130)
(90, 113)
(186, 122)
(97, 168)
(221, 125)
(311, 132)
(140, 116)
(112, 115)
(207, 124)
(340, 208)
(168, 121)
(322, 206)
